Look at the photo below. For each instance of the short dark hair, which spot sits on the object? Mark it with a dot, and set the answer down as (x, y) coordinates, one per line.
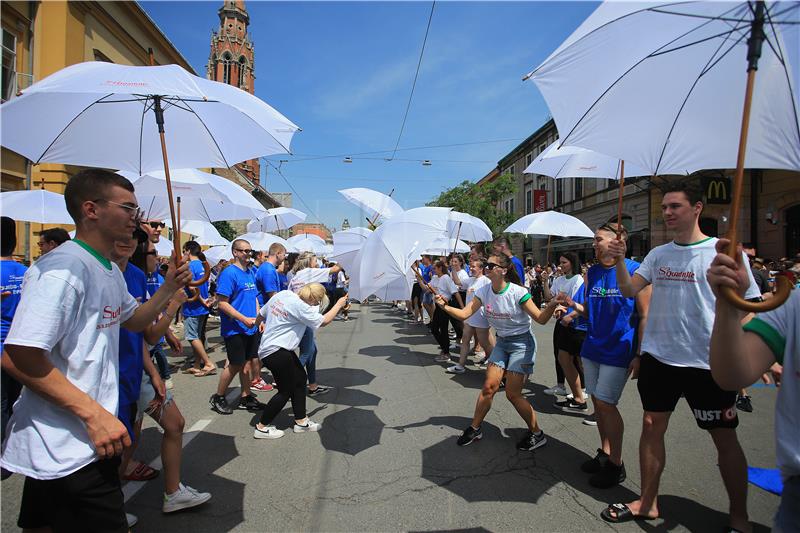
(88, 185)
(612, 227)
(56, 235)
(501, 241)
(8, 236)
(692, 191)
(193, 247)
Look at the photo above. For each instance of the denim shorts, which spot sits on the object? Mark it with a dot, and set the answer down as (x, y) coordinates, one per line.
(604, 382)
(147, 395)
(515, 354)
(193, 326)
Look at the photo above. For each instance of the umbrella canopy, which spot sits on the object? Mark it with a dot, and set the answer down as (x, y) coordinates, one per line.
(37, 205)
(203, 232)
(262, 241)
(308, 243)
(374, 203)
(303, 236)
(383, 265)
(215, 254)
(96, 114)
(573, 162)
(550, 223)
(164, 248)
(467, 227)
(445, 246)
(346, 245)
(277, 218)
(661, 85)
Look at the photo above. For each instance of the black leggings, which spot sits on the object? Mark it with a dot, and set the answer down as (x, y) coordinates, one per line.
(291, 380)
(559, 330)
(439, 327)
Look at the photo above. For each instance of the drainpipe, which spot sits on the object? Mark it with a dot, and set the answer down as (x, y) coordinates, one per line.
(32, 7)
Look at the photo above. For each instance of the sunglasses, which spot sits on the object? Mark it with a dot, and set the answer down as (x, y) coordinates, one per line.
(245, 250)
(492, 266)
(157, 225)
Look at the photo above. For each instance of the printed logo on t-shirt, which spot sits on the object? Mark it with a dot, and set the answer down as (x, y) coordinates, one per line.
(14, 284)
(491, 313)
(111, 315)
(602, 292)
(277, 309)
(665, 273)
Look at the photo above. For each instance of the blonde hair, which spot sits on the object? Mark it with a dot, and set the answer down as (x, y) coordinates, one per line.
(314, 292)
(303, 261)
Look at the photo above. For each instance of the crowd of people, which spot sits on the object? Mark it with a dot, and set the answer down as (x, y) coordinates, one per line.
(80, 374)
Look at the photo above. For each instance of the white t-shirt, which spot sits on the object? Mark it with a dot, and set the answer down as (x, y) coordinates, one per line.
(471, 285)
(462, 278)
(780, 330)
(444, 285)
(301, 278)
(503, 310)
(681, 314)
(341, 280)
(286, 319)
(71, 307)
(568, 285)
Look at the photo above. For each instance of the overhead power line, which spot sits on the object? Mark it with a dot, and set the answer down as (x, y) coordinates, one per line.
(294, 191)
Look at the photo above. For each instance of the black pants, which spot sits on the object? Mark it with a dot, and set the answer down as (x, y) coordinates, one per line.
(439, 327)
(559, 330)
(458, 326)
(290, 377)
(10, 389)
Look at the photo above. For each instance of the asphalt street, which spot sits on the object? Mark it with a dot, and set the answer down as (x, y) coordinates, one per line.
(386, 458)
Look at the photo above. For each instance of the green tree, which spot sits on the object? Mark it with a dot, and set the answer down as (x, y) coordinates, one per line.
(225, 229)
(481, 201)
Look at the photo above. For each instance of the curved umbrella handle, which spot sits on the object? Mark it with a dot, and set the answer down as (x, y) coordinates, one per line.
(206, 275)
(785, 282)
(195, 294)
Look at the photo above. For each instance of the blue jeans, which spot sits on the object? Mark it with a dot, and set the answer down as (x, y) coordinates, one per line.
(160, 358)
(308, 355)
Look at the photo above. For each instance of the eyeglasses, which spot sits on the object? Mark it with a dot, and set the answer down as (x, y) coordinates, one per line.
(244, 250)
(492, 266)
(157, 225)
(134, 210)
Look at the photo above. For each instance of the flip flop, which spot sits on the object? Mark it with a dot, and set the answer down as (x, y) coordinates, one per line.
(623, 514)
(141, 473)
(202, 373)
(190, 370)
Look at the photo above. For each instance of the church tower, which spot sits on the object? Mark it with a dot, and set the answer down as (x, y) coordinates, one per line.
(232, 61)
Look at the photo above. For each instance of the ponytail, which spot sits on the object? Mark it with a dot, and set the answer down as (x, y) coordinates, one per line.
(511, 276)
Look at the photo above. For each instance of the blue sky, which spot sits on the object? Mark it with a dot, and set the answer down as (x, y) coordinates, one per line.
(343, 72)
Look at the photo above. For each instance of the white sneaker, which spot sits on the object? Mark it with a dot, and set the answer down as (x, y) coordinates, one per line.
(184, 498)
(442, 358)
(132, 519)
(269, 432)
(310, 426)
(557, 390)
(456, 369)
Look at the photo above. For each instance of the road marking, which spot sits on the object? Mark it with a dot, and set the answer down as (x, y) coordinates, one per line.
(132, 487)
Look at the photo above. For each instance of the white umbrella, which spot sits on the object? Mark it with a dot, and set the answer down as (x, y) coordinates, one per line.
(277, 218)
(262, 241)
(308, 243)
(215, 254)
(445, 246)
(467, 227)
(383, 265)
(346, 244)
(550, 223)
(573, 162)
(374, 203)
(38, 205)
(163, 248)
(302, 236)
(662, 85)
(203, 232)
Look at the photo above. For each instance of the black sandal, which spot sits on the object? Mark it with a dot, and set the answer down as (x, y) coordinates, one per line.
(623, 514)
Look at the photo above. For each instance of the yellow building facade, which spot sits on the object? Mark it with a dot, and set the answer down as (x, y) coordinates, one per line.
(42, 37)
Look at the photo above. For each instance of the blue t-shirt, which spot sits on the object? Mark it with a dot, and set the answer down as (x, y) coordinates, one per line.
(240, 288)
(284, 281)
(579, 322)
(154, 282)
(520, 269)
(131, 346)
(267, 281)
(425, 272)
(613, 320)
(11, 275)
(197, 308)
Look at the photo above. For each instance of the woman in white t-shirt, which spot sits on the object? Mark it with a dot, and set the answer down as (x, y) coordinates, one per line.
(287, 316)
(477, 324)
(442, 284)
(508, 309)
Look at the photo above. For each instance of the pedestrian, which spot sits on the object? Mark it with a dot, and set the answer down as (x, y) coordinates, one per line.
(476, 324)
(63, 354)
(501, 245)
(195, 316)
(425, 267)
(508, 309)
(287, 316)
(738, 357)
(675, 355)
(442, 284)
(52, 238)
(268, 284)
(238, 305)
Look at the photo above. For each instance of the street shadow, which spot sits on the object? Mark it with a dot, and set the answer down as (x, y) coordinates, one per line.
(678, 512)
(351, 431)
(471, 379)
(344, 377)
(390, 320)
(417, 340)
(285, 418)
(351, 397)
(208, 452)
(544, 403)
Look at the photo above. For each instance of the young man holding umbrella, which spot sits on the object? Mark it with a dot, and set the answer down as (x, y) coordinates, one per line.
(675, 355)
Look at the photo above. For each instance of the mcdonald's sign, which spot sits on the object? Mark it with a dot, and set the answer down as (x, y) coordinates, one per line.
(717, 190)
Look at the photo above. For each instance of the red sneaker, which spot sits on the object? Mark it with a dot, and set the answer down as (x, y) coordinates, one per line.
(261, 385)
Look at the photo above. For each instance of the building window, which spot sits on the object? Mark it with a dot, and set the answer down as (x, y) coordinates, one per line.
(528, 200)
(542, 147)
(578, 188)
(226, 68)
(242, 66)
(9, 82)
(509, 206)
(100, 56)
(510, 170)
(559, 192)
(528, 160)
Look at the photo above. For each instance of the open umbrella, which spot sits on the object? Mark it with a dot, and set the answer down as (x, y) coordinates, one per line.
(215, 254)
(467, 227)
(308, 243)
(113, 116)
(277, 218)
(346, 245)
(261, 241)
(38, 205)
(661, 85)
(375, 204)
(444, 246)
(203, 232)
(552, 224)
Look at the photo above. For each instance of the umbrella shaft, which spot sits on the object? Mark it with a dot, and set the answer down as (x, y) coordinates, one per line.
(756, 37)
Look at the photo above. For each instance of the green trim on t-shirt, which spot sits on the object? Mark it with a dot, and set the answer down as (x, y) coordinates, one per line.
(694, 243)
(771, 336)
(503, 290)
(524, 298)
(103, 260)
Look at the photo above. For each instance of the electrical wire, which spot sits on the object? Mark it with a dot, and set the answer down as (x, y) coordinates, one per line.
(294, 191)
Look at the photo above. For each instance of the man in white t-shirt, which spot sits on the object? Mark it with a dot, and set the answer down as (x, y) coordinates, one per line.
(63, 345)
(739, 355)
(675, 356)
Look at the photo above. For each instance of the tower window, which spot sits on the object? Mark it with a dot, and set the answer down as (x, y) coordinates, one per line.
(226, 68)
(242, 66)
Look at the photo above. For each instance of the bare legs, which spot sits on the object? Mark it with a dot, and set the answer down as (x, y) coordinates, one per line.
(514, 382)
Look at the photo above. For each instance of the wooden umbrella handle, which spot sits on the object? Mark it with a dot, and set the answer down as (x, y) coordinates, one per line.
(206, 275)
(785, 284)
